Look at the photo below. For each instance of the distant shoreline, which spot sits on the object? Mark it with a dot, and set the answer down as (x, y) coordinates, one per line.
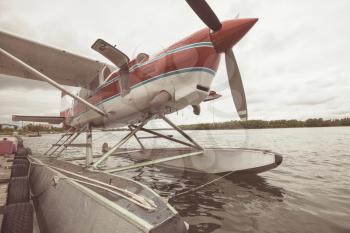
(228, 125)
(275, 124)
(263, 128)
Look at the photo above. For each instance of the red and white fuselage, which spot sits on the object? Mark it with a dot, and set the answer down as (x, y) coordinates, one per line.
(185, 70)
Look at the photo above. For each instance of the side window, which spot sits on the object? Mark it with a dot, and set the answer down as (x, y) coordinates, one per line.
(106, 72)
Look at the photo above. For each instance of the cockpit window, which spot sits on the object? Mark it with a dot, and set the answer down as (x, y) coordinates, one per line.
(106, 72)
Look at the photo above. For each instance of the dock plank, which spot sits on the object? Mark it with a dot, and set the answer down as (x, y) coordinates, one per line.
(5, 173)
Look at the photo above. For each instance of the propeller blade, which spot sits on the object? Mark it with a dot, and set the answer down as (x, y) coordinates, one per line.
(205, 13)
(236, 85)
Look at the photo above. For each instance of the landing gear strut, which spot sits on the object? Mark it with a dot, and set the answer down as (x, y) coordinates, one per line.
(136, 128)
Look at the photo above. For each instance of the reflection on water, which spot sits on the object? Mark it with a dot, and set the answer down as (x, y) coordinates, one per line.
(309, 192)
(210, 208)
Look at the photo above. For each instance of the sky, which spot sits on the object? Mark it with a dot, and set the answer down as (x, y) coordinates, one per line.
(295, 62)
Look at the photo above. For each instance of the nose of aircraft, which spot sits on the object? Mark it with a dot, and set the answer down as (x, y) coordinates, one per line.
(230, 33)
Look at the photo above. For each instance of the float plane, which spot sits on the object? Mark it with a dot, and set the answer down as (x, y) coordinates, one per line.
(132, 92)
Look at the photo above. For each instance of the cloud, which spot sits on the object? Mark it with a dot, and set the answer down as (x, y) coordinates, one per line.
(34, 102)
(310, 102)
(294, 61)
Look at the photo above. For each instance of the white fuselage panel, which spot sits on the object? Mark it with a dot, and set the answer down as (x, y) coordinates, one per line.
(134, 107)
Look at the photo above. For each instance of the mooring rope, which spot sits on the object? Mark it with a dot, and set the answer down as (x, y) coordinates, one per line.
(201, 186)
(140, 201)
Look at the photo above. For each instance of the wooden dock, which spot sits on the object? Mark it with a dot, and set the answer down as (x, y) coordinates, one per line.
(5, 173)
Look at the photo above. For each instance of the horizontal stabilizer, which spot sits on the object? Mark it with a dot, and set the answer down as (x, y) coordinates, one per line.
(47, 119)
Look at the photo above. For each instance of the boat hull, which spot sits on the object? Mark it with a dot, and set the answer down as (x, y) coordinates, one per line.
(63, 205)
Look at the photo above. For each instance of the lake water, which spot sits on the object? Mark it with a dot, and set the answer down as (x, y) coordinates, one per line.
(308, 192)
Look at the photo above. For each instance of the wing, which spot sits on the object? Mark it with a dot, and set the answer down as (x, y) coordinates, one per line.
(47, 119)
(61, 66)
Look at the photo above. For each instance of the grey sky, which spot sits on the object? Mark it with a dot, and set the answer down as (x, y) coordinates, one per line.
(294, 62)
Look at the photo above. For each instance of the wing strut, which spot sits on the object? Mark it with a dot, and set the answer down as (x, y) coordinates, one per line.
(52, 82)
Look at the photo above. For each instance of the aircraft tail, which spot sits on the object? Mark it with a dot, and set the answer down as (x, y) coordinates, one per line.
(46, 119)
(65, 105)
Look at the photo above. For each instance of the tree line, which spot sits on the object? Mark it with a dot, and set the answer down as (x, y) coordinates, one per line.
(250, 124)
(31, 128)
(260, 124)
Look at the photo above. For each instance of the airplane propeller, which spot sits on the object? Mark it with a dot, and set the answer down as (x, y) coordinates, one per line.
(207, 15)
(236, 85)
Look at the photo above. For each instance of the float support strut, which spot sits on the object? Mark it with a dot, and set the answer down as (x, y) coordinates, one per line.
(120, 143)
(181, 132)
(137, 138)
(89, 151)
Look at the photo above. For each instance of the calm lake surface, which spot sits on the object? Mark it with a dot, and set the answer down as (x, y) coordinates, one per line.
(308, 192)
